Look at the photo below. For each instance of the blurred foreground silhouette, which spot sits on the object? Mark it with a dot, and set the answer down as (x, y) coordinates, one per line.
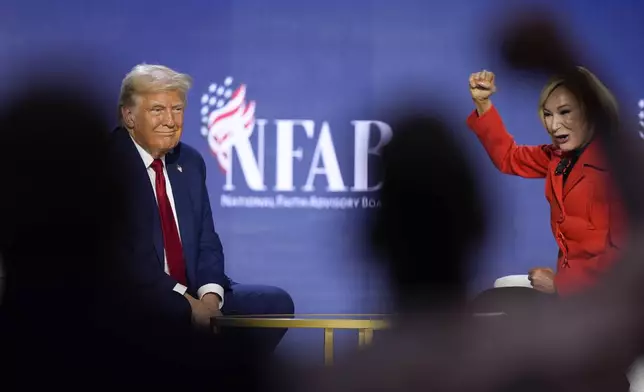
(433, 215)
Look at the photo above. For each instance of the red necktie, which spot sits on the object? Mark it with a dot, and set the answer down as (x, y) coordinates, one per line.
(171, 241)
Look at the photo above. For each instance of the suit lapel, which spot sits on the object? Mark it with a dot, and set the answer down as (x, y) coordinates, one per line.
(149, 200)
(575, 176)
(145, 204)
(557, 184)
(591, 156)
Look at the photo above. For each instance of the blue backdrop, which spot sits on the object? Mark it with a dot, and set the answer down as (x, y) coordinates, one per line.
(310, 79)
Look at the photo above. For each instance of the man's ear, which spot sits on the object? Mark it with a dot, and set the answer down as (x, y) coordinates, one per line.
(127, 114)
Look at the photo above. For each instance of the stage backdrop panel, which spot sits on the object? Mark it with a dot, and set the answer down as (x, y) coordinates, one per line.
(308, 82)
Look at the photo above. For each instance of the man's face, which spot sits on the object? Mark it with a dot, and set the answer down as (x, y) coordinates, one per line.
(156, 121)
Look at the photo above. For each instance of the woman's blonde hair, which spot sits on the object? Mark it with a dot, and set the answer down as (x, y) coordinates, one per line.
(606, 99)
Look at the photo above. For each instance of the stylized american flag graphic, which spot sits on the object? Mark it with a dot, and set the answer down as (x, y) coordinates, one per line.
(226, 117)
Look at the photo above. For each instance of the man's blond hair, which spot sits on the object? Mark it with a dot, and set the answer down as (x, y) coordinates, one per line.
(147, 78)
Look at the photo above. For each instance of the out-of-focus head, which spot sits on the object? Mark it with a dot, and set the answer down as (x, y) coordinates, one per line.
(60, 207)
(151, 106)
(432, 212)
(563, 108)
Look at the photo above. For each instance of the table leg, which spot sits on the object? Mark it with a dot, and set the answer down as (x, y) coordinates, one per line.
(368, 336)
(328, 346)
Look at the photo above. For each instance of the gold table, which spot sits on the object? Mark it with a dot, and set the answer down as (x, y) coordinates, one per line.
(366, 324)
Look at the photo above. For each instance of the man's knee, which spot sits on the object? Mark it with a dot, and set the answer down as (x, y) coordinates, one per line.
(281, 301)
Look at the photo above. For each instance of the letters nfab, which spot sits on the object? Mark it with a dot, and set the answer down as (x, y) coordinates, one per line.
(321, 161)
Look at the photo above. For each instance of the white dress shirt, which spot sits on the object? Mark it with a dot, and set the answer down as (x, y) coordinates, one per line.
(179, 288)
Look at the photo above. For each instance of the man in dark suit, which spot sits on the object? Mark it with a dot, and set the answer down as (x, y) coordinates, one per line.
(175, 253)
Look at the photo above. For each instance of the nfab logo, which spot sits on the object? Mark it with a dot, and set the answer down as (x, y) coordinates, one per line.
(228, 122)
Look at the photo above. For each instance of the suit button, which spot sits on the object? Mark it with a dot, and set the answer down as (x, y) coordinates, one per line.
(561, 218)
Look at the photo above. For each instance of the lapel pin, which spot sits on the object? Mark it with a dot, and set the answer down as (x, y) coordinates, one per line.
(180, 169)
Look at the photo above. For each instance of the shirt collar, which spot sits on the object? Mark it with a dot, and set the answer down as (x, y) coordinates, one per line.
(145, 156)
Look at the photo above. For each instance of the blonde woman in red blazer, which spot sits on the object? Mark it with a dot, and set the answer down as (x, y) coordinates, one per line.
(583, 212)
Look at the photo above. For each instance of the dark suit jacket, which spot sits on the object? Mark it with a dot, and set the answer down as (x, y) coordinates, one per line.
(142, 242)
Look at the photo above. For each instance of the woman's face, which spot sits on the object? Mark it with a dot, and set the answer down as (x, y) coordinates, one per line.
(565, 121)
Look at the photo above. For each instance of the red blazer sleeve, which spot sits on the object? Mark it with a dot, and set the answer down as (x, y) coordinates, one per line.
(507, 156)
(568, 282)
